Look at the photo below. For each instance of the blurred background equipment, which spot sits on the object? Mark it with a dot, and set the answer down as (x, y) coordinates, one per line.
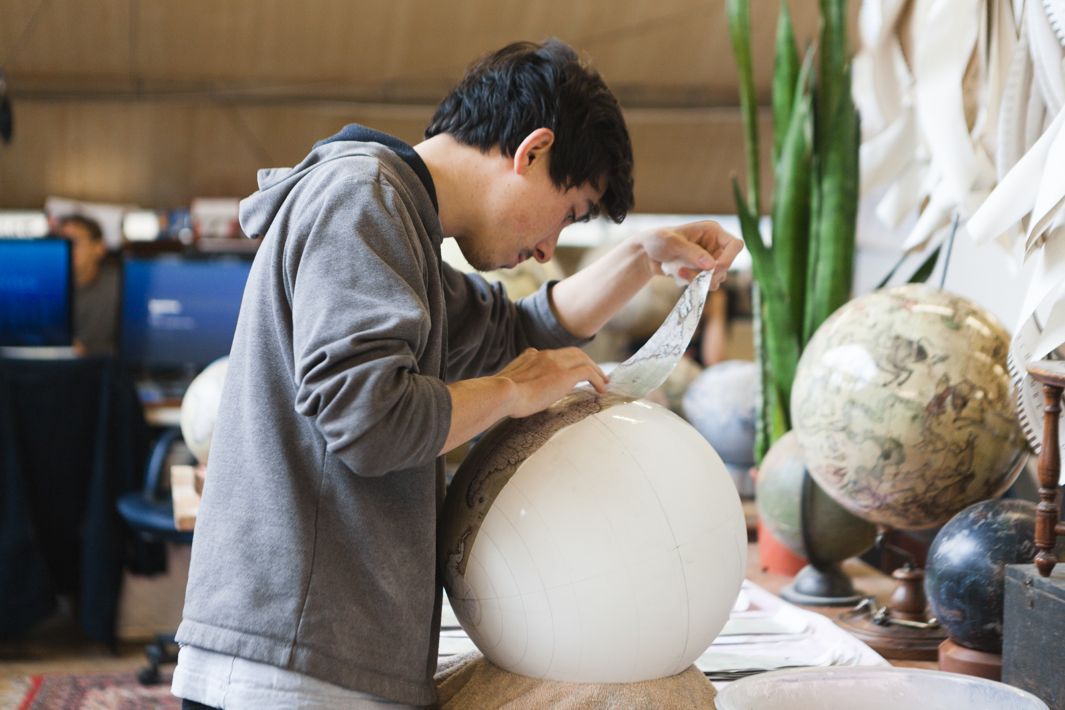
(36, 293)
(178, 315)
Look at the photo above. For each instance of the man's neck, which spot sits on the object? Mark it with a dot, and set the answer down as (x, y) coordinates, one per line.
(86, 276)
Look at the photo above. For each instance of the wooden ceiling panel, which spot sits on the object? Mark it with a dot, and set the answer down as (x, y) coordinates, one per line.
(156, 102)
(70, 39)
(674, 52)
(164, 153)
(684, 159)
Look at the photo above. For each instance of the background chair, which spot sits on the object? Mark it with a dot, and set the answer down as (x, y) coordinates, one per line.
(150, 512)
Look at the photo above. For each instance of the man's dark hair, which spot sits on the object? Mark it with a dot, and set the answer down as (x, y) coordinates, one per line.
(508, 94)
(89, 224)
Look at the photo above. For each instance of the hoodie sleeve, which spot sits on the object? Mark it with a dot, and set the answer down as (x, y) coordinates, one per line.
(486, 330)
(359, 319)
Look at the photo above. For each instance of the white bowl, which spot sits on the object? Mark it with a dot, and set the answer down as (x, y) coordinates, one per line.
(871, 689)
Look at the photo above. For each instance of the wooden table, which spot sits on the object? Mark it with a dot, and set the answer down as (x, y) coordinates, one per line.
(866, 579)
(187, 486)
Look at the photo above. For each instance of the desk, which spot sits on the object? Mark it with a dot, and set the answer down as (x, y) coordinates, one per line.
(163, 413)
(187, 485)
(866, 579)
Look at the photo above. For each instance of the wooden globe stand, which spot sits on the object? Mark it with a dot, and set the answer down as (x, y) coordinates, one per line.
(955, 658)
(902, 629)
(1051, 374)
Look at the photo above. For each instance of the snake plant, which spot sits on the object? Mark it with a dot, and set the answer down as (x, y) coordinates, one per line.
(805, 272)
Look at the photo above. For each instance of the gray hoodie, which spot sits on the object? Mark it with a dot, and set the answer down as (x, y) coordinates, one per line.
(315, 545)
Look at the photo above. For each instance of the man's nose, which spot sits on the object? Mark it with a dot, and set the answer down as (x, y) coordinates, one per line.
(546, 249)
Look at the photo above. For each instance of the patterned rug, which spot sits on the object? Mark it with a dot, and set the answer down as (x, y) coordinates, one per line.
(97, 691)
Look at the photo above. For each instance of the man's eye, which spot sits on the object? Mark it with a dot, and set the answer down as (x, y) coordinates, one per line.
(572, 216)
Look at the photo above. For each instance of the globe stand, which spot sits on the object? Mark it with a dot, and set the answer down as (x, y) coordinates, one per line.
(822, 582)
(1051, 374)
(827, 586)
(902, 629)
(955, 658)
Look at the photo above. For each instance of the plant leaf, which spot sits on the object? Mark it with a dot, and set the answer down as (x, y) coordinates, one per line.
(738, 13)
(785, 79)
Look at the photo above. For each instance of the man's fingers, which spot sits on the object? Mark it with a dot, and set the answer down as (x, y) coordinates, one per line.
(597, 379)
(733, 247)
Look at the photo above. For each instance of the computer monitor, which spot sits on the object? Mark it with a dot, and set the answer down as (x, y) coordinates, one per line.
(36, 293)
(179, 312)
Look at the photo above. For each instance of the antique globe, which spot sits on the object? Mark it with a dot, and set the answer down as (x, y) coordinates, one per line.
(904, 408)
(599, 541)
(199, 408)
(808, 522)
(832, 533)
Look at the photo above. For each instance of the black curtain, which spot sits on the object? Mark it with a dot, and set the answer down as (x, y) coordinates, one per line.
(72, 440)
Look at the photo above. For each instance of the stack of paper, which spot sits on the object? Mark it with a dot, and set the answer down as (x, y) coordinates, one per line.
(766, 633)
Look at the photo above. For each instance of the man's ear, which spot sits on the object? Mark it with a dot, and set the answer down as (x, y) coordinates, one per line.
(533, 149)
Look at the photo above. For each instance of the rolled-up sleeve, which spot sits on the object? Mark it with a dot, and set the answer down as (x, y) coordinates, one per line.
(359, 322)
(486, 330)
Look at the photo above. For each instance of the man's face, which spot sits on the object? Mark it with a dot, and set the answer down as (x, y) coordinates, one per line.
(87, 252)
(523, 219)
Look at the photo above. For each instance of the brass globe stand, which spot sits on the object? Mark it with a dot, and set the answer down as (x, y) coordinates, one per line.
(902, 629)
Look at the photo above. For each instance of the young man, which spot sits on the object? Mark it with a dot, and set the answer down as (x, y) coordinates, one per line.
(360, 358)
(95, 287)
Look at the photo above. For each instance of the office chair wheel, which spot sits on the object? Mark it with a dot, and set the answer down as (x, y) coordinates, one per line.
(149, 675)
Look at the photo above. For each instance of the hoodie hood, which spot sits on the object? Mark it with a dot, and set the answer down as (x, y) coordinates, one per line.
(258, 210)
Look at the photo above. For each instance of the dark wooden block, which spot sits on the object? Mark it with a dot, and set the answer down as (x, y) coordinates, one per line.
(1033, 643)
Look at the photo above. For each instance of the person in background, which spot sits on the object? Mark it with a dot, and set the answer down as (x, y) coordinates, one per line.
(95, 287)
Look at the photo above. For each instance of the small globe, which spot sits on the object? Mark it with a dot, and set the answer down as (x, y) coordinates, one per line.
(904, 409)
(199, 408)
(834, 533)
(720, 403)
(599, 541)
(965, 574)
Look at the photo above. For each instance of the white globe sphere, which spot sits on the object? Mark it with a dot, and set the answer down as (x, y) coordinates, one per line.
(599, 541)
(199, 408)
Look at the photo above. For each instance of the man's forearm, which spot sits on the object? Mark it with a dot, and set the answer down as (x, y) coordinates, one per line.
(585, 301)
(476, 405)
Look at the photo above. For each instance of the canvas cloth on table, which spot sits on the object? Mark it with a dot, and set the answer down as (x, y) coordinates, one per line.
(471, 681)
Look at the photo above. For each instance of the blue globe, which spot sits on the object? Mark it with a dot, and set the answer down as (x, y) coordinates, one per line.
(965, 574)
(720, 405)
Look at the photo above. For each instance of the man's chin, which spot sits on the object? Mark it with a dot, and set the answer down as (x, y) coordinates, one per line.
(482, 265)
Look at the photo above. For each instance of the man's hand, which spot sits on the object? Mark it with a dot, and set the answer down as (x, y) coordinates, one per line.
(682, 252)
(540, 377)
(531, 382)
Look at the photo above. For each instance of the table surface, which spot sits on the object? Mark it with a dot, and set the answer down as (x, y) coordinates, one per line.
(867, 580)
(163, 413)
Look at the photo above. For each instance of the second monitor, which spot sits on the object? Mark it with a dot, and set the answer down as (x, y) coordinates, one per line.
(179, 313)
